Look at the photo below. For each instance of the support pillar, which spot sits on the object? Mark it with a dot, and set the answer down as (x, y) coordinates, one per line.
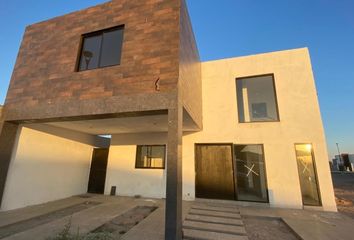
(8, 134)
(173, 217)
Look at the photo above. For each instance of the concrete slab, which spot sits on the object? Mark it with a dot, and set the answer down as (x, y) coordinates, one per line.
(207, 235)
(13, 216)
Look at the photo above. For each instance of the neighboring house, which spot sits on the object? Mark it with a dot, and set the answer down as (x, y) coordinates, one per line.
(344, 163)
(244, 129)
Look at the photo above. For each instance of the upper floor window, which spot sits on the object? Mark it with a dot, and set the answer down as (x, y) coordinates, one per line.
(101, 49)
(256, 99)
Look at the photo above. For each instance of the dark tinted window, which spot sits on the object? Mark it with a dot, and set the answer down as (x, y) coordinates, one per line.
(90, 53)
(111, 48)
(101, 49)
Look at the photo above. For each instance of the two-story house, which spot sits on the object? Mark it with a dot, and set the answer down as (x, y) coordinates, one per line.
(114, 99)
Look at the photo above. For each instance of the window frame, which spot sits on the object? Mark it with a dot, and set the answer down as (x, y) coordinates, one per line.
(152, 145)
(93, 34)
(315, 172)
(275, 96)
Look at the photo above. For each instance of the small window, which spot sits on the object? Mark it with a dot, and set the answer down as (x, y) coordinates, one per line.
(101, 49)
(150, 156)
(256, 99)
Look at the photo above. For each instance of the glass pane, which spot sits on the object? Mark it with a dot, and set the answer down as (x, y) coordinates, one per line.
(308, 180)
(90, 53)
(250, 173)
(256, 99)
(141, 154)
(157, 156)
(111, 48)
(150, 157)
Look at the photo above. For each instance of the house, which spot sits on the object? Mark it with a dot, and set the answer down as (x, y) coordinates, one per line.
(114, 99)
(344, 162)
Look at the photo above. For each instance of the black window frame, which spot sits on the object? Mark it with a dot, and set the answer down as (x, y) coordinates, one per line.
(153, 145)
(275, 98)
(93, 34)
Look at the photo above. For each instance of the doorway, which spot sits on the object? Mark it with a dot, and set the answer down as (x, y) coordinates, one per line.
(98, 170)
(214, 171)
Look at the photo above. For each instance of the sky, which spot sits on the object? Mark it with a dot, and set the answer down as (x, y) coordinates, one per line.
(231, 28)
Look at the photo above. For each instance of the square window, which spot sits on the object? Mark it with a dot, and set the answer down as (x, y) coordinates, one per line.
(150, 156)
(256, 99)
(101, 49)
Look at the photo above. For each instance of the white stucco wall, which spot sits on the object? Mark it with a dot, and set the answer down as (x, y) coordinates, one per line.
(300, 122)
(121, 170)
(45, 167)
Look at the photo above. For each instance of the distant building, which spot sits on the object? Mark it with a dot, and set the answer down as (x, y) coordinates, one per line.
(345, 163)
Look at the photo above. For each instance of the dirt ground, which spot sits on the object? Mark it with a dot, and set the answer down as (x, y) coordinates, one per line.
(267, 228)
(344, 191)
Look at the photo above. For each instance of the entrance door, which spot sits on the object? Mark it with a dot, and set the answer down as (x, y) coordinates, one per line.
(214, 171)
(98, 170)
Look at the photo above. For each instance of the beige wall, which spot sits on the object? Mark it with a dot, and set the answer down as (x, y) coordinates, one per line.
(45, 167)
(300, 122)
(121, 170)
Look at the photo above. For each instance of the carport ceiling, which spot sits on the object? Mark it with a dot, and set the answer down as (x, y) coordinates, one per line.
(151, 123)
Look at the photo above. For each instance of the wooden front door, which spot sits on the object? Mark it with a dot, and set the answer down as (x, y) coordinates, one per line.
(98, 170)
(214, 171)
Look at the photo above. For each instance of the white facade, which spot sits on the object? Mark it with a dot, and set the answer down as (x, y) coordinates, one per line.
(121, 171)
(44, 168)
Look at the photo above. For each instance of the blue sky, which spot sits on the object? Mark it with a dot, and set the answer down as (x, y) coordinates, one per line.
(228, 28)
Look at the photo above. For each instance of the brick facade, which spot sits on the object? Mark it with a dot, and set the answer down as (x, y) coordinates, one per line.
(45, 71)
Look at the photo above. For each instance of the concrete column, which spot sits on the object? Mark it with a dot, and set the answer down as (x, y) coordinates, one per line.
(173, 217)
(8, 134)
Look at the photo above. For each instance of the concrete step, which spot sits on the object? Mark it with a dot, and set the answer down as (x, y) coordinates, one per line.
(215, 208)
(192, 234)
(214, 213)
(219, 220)
(213, 227)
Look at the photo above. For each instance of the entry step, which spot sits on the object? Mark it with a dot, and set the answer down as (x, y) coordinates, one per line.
(212, 213)
(217, 222)
(215, 208)
(191, 234)
(216, 227)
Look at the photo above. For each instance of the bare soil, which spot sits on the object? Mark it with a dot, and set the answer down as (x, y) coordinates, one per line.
(123, 223)
(267, 228)
(343, 183)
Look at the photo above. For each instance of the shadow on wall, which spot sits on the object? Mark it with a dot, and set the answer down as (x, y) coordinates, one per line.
(45, 168)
